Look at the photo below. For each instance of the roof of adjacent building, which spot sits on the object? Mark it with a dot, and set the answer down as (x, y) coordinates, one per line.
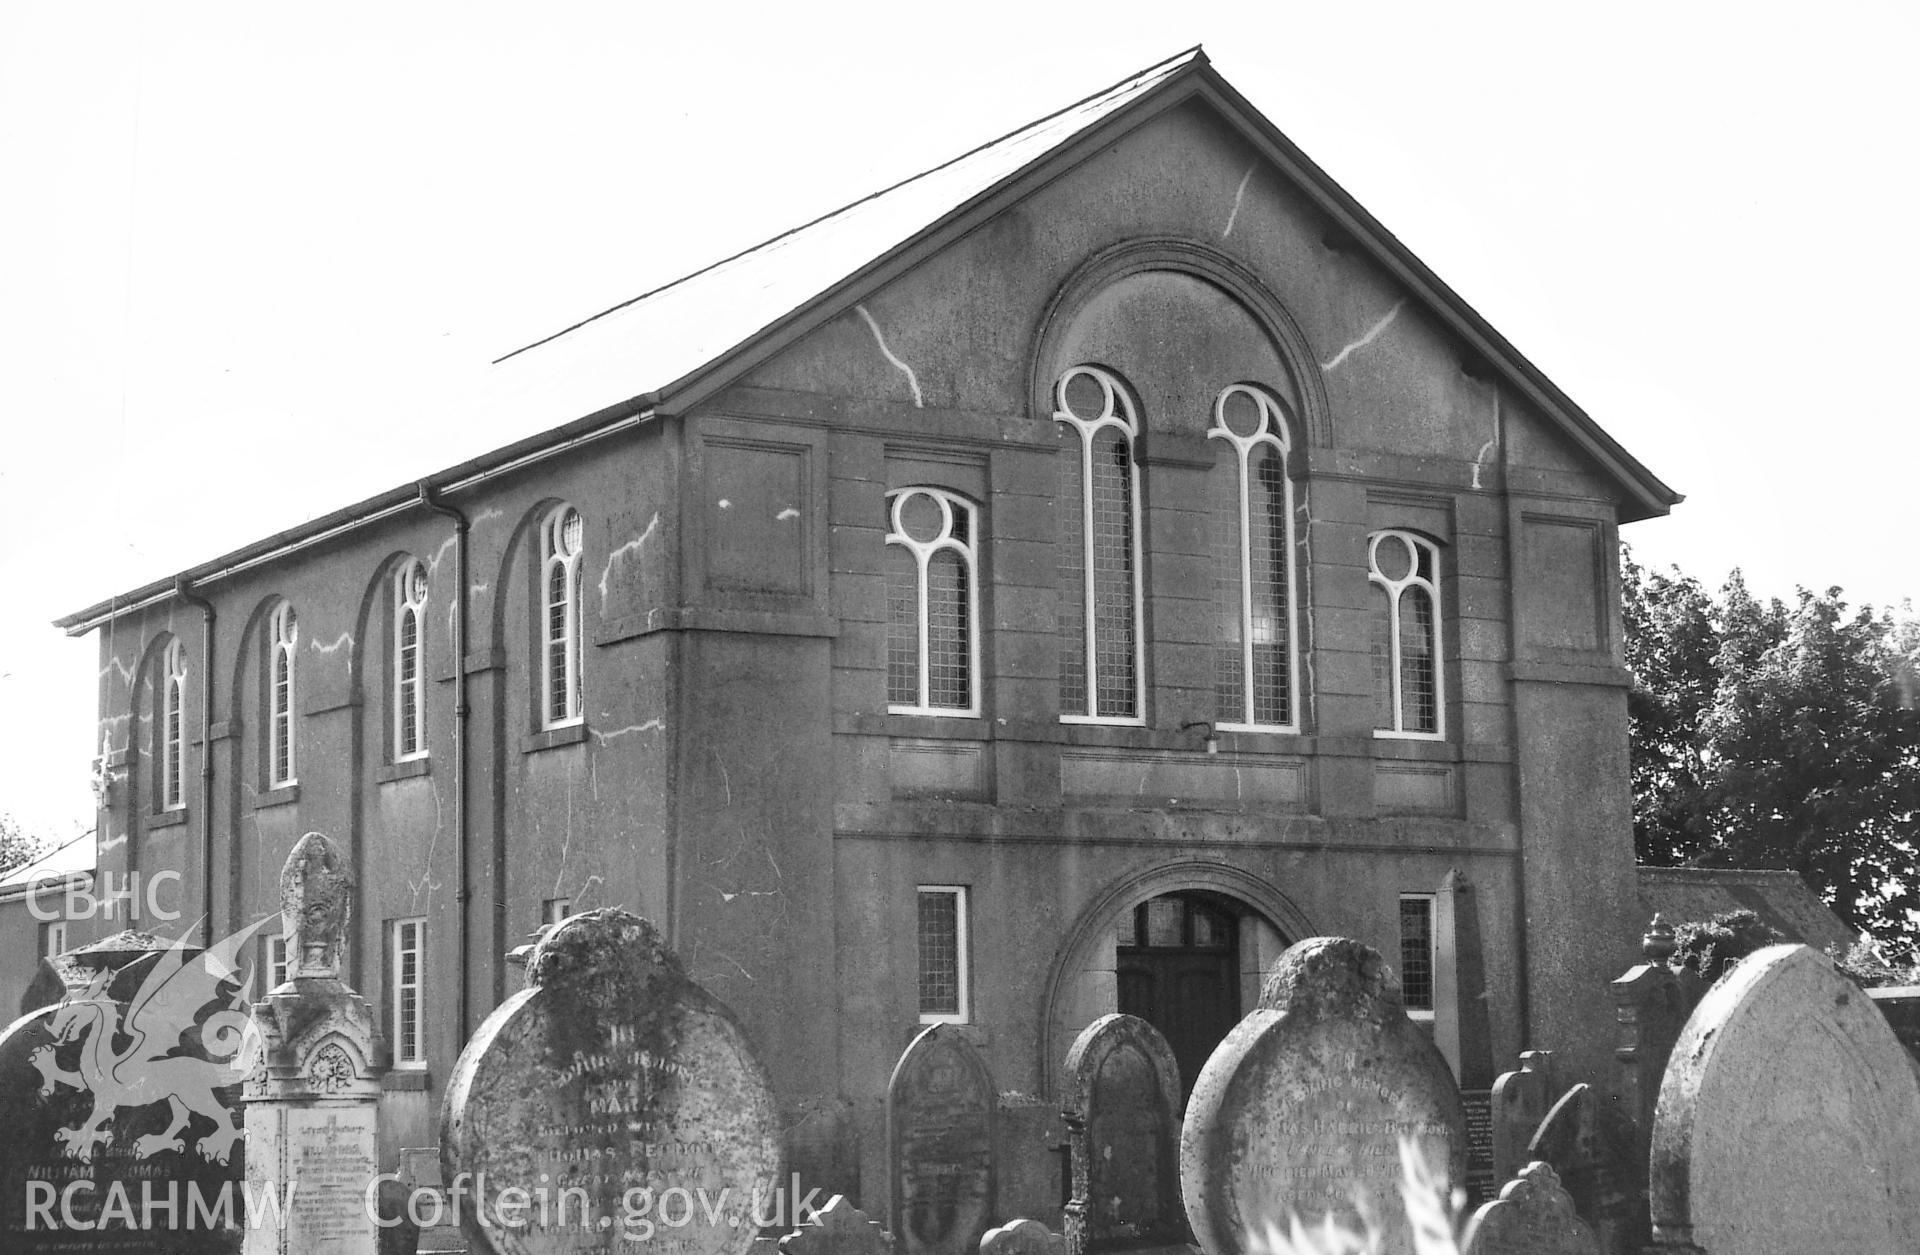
(669, 348)
(70, 859)
(1780, 898)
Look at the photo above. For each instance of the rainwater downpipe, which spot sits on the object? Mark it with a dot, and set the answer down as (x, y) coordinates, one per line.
(460, 738)
(183, 589)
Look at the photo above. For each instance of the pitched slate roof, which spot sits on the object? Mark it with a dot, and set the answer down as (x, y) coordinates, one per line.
(1780, 898)
(672, 346)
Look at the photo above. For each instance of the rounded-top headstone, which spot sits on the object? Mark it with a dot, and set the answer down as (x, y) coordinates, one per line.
(1307, 1100)
(1789, 1119)
(622, 1093)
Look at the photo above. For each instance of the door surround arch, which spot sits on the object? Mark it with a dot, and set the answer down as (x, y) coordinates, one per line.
(1093, 928)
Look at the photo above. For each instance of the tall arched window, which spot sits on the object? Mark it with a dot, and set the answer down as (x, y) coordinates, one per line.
(1102, 675)
(1252, 502)
(933, 604)
(562, 535)
(1405, 572)
(283, 640)
(173, 717)
(409, 679)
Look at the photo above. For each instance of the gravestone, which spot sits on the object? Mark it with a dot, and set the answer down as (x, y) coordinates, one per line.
(1520, 1102)
(1532, 1216)
(941, 1112)
(839, 1228)
(312, 1105)
(1123, 1130)
(1022, 1237)
(611, 1105)
(120, 1103)
(1307, 1101)
(1789, 1120)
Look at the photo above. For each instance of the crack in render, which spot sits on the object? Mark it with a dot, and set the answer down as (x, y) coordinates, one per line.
(651, 725)
(1239, 193)
(1493, 441)
(345, 638)
(632, 546)
(1373, 333)
(912, 381)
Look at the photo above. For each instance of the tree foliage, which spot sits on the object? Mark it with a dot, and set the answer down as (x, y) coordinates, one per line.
(1775, 735)
(16, 845)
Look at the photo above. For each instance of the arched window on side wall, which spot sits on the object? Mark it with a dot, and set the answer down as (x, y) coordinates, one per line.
(933, 603)
(1404, 570)
(1251, 498)
(562, 536)
(409, 661)
(283, 640)
(173, 716)
(1102, 671)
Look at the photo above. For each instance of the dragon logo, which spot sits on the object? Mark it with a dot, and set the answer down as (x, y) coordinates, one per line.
(153, 1066)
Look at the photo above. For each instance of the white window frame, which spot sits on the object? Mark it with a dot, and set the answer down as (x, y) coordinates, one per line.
(1272, 432)
(1424, 1015)
(53, 940)
(1393, 589)
(279, 962)
(963, 951)
(409, 695)
(1117, 412)
(553, 910)
(562, 538)
(283, 650)
(408, 938)
(173, 721)
(923, 553)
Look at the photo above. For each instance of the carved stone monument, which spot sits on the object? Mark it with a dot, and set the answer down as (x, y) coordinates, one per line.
(1521, 1099)
(313, 1102)
(611, 1105)
(941, 1113)
(1532, 1216)
(1308, 1099)
(1789, 1120)
(120, 1103)
(1123, 1131)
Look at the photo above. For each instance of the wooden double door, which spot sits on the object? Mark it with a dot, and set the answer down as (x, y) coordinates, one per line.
(1178, 968)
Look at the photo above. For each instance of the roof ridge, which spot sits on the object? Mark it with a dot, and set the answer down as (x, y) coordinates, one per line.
(1196, 53)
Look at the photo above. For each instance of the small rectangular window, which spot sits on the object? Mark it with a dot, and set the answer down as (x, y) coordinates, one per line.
(944, 975)
(409, 1004)
(53, 938)
(279, 970)
(553, 910)
(1417, 954)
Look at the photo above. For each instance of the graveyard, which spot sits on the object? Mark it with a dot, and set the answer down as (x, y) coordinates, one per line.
(615, 1104)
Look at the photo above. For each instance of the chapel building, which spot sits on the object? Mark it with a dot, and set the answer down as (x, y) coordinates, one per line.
(1051, 586)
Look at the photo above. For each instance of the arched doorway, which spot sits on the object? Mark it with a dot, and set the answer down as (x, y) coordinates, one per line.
(1087, 972)
(1177, 966)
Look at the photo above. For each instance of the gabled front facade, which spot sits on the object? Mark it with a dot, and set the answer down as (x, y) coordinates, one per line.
(1137, 564)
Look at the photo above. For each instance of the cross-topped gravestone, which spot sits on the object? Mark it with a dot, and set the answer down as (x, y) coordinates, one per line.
(1123, 1130)
(941, 1112)
(1532, 1216)
(1308, 1098)
(612, 1102)
(1789, 1119)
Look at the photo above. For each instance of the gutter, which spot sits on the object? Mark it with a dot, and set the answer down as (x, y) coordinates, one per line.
(183, 589)
(461, 839)
(469, 474)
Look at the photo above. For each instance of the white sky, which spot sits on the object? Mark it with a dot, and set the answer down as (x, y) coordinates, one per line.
(252, 257)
